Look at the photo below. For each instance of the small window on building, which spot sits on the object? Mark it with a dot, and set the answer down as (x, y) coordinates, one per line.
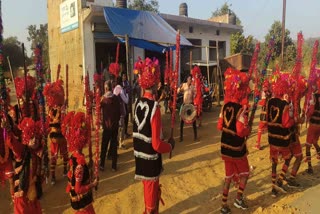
(196, 50)
(190, 29)
(217, 32)
(213, 49)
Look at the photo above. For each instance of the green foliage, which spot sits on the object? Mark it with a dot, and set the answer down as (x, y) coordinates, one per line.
(289, 47)
(307, 55)
(12, 48)
(40, 36)
(225, 9)
(241, 44)
(151, 5)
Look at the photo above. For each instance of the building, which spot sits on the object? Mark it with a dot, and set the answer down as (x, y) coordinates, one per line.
(79, 36)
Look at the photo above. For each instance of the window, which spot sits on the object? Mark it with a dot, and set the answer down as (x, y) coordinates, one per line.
(213, 52)
(196, 50)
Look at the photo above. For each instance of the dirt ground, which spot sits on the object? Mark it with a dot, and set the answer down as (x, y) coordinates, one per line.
(191, 182)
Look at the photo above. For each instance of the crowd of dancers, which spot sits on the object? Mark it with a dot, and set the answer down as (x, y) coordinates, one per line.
(25, 137)
(281, 116)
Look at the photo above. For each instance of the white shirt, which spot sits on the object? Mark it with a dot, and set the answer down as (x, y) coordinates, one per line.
(119, 90)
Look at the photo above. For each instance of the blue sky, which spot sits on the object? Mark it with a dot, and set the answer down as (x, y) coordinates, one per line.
(256, 15)
(17, 15)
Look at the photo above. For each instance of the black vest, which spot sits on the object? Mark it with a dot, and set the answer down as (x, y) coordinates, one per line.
(29, 163)
(315, 117)
(277, 134)
(231, 144)
(54, 124)
(83, 199)
(148, 161)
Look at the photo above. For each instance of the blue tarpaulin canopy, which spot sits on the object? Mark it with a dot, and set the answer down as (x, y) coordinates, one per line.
(145, 29)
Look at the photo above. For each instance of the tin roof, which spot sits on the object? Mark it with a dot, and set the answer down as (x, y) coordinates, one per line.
(184, 19)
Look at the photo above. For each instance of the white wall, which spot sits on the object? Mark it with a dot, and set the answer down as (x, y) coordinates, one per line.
(89, 62)
(137, 52)
(206, 35)
(105, 3)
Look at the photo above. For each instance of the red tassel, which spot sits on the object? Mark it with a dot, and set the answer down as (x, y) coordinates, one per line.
(117, 54)
(296, 72)
(254, 60)
(175, 80)
(312, 75)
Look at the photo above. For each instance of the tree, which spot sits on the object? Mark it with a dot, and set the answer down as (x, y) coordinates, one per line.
(12, 48)
(290, 48)
(151, 5)
(241, 44)
(307, 54)
(40, 36)
(225, 9)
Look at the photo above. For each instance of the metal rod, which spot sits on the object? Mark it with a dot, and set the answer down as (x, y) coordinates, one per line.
(166, 43)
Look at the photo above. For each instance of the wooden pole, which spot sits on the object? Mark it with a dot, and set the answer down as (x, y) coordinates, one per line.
(129, 73)
(217, 74)
(128, 57)
(190, 52)
(15, 88)
(283, 32)
(208, 71)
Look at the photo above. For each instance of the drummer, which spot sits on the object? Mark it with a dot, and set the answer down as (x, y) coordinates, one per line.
(189, 93)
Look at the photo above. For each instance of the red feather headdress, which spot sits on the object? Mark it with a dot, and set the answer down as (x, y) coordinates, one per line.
(20, 86)
(54, 93)
(76, 130)
(236, 86)
(148, 71)
(280, 84)
(30, 129)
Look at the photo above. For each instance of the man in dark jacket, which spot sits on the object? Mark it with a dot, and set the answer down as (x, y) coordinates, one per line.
(110, 107)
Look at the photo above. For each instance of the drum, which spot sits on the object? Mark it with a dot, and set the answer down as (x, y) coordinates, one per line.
(188, 113)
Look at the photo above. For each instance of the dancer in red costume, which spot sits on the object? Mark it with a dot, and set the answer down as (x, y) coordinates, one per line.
(146, 135)
(28, 177)
(233, 122)
(265, 96)
(299, 85)
(7, 128)
(6, 167)
(198, 100)
(75, 129)
(54, 94)
(280, 122)
(313, 115)
(27, 99)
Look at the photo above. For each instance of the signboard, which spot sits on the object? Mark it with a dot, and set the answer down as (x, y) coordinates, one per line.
(69, 15)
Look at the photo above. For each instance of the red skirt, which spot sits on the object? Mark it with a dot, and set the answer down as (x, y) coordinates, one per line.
(87, 210)
(22, 205)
